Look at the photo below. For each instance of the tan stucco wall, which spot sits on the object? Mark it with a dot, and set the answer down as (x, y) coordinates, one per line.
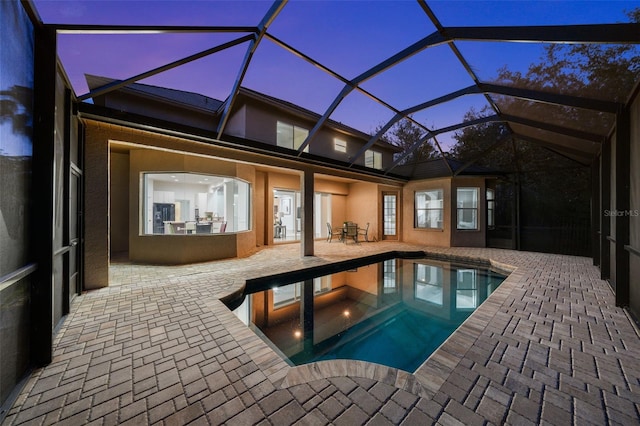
(119, 202)
(172, 249)
(433, 237)
(363, 205)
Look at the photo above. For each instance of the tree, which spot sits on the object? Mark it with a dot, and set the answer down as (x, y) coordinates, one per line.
(554, 187)
(405, 134)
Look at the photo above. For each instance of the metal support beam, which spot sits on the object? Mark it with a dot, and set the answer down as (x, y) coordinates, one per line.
(271, 14)
(605, 205)
(412, 148)
(434, 39)
(121, 83)
(578, 134)
(484, 152)
(583, 34)
(146, 29)
(404, 113)
(559, 149)
(41, 342)
(552, 98)
(312, 134)
(623, 205)
(595, 212)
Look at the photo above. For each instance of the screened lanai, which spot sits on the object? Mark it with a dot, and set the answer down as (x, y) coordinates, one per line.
(541, 96)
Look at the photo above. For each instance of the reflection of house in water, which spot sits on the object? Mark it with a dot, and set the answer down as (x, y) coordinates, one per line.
(307, 318)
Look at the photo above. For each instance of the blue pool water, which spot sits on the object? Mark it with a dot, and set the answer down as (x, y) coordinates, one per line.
(400, 342)
(394, 312)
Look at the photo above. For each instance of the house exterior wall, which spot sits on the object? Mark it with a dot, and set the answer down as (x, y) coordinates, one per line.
(119, 202)
(179, 249)
(469, 238)
(260, 124)
(432, 237)
(237, 123)
(363, 205)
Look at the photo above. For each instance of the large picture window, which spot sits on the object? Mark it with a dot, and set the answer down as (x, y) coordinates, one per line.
(467, 199)
(189, 203)
(290, 136)
(429, 209)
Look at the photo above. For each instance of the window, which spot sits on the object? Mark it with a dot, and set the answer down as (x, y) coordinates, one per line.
(373, 159)
(389, 283)
(429, 209)
(389, 214)
(428, 283)
(290, 136)
(340, 145)
(467, 296)
(467, 199)
(491, 209)
(190, 203)
(288, 294)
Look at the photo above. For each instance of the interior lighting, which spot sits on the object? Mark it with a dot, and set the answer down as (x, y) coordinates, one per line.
(346, 313)
(297, 334)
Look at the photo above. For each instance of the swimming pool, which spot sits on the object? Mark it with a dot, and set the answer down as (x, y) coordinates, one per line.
(395, 311)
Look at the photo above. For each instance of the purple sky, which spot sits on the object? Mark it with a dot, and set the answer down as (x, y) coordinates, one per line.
(348, 37)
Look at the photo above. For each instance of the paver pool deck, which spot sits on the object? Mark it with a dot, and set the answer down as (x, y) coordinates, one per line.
(549, 346)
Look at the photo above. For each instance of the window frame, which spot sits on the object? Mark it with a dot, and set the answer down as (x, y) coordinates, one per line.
(373, 157)
(417, 209)
(461, 210)
(295, 141)
(239, 220)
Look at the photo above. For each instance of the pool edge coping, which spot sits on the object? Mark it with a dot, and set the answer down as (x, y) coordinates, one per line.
(425, 381)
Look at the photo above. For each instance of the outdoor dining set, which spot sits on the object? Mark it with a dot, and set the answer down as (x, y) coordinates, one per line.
(348, 231)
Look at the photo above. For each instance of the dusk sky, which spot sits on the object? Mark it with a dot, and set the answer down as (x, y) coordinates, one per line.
(348, 37)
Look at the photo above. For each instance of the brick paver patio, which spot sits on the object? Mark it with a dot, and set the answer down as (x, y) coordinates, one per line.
(158, 347)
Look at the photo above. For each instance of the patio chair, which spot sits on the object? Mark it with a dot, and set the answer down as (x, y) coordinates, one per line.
(350, 232)
(331, 233)
(364, 232)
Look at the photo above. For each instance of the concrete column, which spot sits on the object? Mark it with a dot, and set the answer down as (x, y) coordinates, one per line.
(307, 185)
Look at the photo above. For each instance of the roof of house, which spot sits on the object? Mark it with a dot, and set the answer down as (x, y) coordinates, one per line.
(179, 97)
(437, 168)
(215, 106)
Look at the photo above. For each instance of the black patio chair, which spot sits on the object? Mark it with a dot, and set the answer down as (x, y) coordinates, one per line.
(364, 232)
(331, 233)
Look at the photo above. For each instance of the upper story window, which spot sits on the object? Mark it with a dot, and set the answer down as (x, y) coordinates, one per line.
(339, 145)
(190, 203)
(290, 136)
(467, 199)
(373, 159)
(429, 209)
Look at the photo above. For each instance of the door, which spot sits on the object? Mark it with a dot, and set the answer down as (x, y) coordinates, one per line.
(67, 200)
(389, 216)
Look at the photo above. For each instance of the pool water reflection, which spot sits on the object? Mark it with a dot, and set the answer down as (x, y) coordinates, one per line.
(395, 312)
